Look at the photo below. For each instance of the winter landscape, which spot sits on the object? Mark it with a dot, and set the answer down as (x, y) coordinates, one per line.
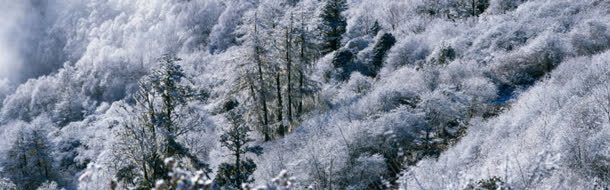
(305, 94)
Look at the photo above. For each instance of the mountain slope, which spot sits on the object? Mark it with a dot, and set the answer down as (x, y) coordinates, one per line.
(420, 94)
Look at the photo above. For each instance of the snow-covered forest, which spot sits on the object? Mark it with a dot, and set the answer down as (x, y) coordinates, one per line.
(304, 94)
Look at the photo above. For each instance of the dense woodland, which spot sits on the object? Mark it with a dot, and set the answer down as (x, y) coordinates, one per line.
(305, 94)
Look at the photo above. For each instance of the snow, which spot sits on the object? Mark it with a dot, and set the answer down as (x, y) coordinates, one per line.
(524, 95)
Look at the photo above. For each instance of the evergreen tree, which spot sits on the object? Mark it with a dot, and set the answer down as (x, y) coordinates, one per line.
(467, 8)
(255, 70)
(161, 108)
(380, 50)
(237, 141)
(306, 54)
(288, 41)
(275, 64)
(28, 163)
(333, 24)
(285, 50)
(342, 62)
(375, 29)
(478, 6)
(293, 45)
(445, 55)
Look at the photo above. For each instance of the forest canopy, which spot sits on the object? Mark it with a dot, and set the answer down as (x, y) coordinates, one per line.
(298, 94)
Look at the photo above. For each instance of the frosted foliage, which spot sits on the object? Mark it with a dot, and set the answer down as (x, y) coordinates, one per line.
(4, 88)
(565, 141)
(359, 83)
(49, 185)
(408, 52)
(503, 6)
(513, 93)
(222, 35)
(7, 184)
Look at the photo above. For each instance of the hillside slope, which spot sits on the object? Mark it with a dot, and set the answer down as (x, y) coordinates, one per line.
(347, 94)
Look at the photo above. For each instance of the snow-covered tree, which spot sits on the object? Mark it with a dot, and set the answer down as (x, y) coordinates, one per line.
(382, 46)
(237, 141)
(474, 93)
(161, 115)
(276, 90)
(223, 34)
(252, 73)
(48, 185)
(7, 184)
(375, 28)
(332, 24)
(28, 162)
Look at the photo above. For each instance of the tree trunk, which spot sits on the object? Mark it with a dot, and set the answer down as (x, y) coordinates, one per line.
(237, 163)
(303, 62)
(300, 104)
(289, 70)
(262, 89)
(169, 108)
(474, 8)
(279, 103)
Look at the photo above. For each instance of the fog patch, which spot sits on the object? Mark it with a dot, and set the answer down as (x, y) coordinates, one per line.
(30, 45)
